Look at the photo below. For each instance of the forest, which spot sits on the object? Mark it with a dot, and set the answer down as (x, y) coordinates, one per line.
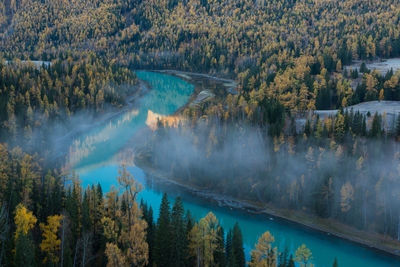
(49, 221)
(60, 59)
(35, 97)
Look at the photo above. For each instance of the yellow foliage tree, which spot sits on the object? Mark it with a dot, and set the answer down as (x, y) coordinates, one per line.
(115, 257)
(304, 256)
(24, 220)
(51, 244)
(347, 196)
(264, 255)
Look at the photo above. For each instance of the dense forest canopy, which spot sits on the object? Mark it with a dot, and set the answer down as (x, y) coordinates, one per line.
(292, 50)
(60, 58)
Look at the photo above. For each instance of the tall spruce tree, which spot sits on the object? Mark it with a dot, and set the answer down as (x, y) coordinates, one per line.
(237, 254)
(228, 248)
(163, 240)
(178, 234)
(219, 254)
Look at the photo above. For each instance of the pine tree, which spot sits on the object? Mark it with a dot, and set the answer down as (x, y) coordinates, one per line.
(228, 248)
(178, 233)
(163, 234)
(24, 251)
(219, 254)
(24, 248)
(237, 258)
(376, 129)
(283, 258)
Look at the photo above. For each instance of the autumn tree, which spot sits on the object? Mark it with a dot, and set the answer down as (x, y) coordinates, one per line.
(264, 255)
(24, 247)
(51, 243)
(304, 256)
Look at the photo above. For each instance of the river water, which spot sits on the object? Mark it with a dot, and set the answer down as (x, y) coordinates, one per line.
(95, 158)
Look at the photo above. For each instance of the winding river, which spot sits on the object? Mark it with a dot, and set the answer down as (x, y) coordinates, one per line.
(95, 158)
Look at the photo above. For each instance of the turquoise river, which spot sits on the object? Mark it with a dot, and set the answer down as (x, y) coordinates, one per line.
(95, 158)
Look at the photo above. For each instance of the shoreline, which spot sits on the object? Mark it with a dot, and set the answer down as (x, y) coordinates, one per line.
(230, 85)
(373, 241)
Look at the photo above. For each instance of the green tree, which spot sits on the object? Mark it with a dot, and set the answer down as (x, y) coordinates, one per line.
(163, 234)
(219, 254)
(24, 251)
(178, 234)
(237, 251)
(24, 247)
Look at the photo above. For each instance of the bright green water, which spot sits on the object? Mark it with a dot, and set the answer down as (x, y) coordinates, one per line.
(96, 163)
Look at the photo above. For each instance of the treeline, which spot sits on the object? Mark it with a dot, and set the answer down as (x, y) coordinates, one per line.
(47, 219)
(294, 51)
(36, 94)
(335, 169)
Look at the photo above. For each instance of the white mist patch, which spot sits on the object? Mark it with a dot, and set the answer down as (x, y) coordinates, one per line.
(82, 148)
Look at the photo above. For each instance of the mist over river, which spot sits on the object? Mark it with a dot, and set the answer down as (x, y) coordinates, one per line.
(95, 157)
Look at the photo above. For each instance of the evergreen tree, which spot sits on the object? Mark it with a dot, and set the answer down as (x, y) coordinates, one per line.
(163, 240)
(178, 233)
(228, 247)
(86, 222)
(283, 258)
(376, 128)
(24, 247)
(219, 254)
(237, 253)
(363, 68)
(24, 251)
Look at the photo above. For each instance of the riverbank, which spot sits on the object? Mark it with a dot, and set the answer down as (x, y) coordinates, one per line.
(327, 226)
(214, 87)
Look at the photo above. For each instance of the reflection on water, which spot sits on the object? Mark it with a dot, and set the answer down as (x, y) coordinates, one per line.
(82, 147)
(102, 144)
(97, 155)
